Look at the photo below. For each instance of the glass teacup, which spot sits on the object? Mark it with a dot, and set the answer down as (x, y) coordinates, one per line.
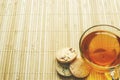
(100, 48)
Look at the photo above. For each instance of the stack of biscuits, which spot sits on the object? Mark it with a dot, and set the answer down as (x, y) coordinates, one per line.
(70, 63)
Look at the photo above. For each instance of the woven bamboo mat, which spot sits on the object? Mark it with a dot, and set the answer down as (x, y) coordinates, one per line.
(31, 31)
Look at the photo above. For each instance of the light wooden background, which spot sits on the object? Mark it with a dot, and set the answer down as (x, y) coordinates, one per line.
(31, 31)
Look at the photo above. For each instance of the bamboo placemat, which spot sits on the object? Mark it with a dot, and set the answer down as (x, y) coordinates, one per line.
(31, 31)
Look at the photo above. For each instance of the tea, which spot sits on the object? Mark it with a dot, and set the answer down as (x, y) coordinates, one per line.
(102, 48)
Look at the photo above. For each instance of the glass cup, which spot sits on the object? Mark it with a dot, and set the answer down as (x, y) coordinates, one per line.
(100, 49)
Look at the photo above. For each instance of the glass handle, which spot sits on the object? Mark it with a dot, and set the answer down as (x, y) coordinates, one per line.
(115, 73)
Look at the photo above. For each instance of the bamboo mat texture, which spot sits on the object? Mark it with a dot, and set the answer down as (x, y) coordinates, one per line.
(31, 31)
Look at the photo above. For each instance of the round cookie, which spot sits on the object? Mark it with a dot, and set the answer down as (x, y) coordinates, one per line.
(63, 69)
(79, 68)
(66, 55)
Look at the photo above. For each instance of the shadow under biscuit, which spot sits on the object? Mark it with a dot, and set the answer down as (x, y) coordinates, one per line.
(69, 77)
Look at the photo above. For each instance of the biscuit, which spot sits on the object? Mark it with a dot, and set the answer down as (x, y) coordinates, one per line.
(63, 69)
(79, 68)
(66, 55)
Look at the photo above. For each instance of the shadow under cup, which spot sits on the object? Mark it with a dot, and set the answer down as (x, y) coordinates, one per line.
(100, 47)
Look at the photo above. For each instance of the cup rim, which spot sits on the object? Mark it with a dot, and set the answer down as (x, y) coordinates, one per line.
(80, 41)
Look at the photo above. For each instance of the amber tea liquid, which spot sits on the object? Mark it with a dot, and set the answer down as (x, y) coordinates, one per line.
(102, 48)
